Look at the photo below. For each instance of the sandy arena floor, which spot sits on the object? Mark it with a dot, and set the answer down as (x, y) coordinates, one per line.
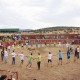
(65, 71)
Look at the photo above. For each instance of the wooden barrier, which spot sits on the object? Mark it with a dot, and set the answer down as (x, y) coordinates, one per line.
(11, 43)
(76, 41)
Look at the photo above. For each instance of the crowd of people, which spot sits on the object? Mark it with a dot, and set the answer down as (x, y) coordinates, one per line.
(5, 52)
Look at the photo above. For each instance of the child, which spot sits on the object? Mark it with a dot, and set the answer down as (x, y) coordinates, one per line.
(2, 54)
(60, 57)
(78, 50)
(21, 57)
(29, 61)
(68, 55)
(49, 58)
(39, 61)
(13, 57)
(75, 55)
(5, 55)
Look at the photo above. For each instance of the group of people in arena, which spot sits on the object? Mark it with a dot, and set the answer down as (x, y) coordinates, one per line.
(6, 52)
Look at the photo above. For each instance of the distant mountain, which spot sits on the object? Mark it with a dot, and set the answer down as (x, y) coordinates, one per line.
(25, 30)
(59, 28)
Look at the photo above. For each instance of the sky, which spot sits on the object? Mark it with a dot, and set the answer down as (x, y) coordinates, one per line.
(36, 14)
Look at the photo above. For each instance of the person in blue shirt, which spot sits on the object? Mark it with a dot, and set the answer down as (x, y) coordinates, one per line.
(60, 57)
(68, 55)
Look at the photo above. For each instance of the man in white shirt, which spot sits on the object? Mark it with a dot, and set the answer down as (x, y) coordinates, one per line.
(13, 57)
(21, 57)
(5, 56)
(50, 58)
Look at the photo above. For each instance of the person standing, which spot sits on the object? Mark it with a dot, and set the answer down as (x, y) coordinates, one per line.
(60, 57)
(78, 52)
(67, 46)
(26, 44)
(49, 58)
(30, 58)
(72, 48)
(36, 42)
(8, 48)
(13, 57)
(22, 46)
(21, 58)
(13, 46)
(2, 54)
(75, 55)
(45, 43)
(18, 46)
(59, 45)
(54, 44)
(40, 44)
(68, 55)
(39, 61)
(31, 44)
(15, 43)
(5, 56)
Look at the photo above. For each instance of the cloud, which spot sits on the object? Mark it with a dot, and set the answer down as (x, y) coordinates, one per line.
(35, 14)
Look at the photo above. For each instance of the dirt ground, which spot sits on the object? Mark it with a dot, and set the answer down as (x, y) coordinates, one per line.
(65, 71)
